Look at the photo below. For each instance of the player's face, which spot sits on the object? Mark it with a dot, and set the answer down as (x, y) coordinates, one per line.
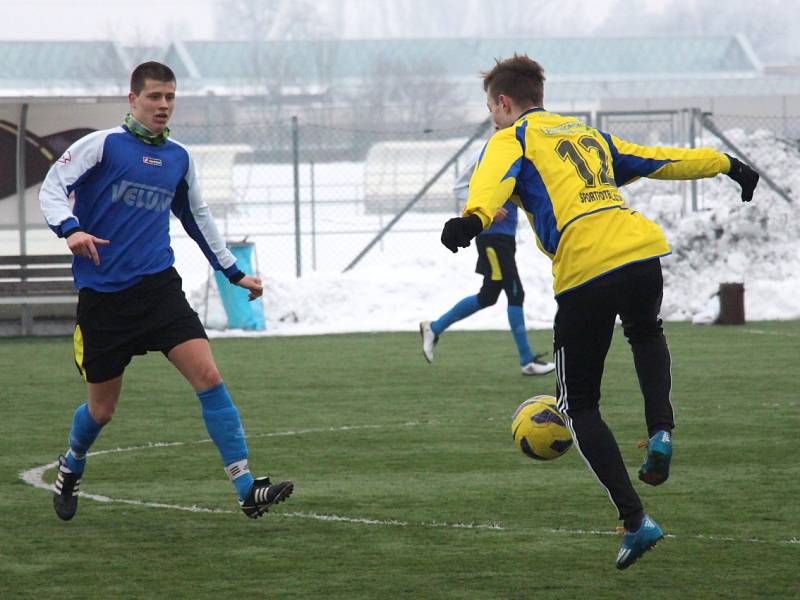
(501, 111)
(153, 106)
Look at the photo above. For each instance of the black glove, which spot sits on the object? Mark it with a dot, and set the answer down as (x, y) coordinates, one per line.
(746, 177)
(458, 232)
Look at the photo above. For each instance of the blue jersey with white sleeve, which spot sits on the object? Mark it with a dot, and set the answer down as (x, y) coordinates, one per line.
(114, 186)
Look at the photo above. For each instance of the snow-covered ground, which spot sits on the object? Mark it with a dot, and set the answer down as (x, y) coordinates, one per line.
(411, 277)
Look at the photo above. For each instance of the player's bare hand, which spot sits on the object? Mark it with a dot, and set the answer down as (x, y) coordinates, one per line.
(85, 245)
(501, 214)
(253, 284)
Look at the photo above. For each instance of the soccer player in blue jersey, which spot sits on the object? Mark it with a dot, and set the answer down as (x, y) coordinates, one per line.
(110, 197)
(606, 263)
(497, 246)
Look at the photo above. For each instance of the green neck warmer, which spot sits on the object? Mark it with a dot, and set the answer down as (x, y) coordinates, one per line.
(143, 133)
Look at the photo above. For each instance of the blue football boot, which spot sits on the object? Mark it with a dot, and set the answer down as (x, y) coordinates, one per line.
(655, 469)
(636, 543)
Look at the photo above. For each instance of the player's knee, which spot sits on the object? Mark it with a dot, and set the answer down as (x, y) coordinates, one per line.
(102, 413)
(582, 403)
(488, 295)
(586, 413)
(515, 299)
(641, 331)
(207, 377)
(514, 292)
(487, 300)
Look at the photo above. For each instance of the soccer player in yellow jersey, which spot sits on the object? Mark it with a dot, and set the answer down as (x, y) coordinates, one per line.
(606, 262)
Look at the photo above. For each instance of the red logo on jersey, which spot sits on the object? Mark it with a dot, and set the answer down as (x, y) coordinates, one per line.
(66, 158)
(149, 160)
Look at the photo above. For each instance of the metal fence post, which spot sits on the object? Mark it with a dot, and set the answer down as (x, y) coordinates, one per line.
(20, 175)
(27, 310)
(692, 144)
(784, 121)
(705, 121)
(379, 237)
(296, 164)
(313, 219)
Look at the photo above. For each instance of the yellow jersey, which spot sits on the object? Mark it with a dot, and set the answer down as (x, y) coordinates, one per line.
(566, 176)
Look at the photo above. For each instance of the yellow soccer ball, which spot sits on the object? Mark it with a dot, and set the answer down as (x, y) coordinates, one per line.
(538, 429)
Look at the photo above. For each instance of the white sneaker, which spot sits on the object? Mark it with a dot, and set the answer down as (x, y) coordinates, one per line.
(429, 340)
(538, 367)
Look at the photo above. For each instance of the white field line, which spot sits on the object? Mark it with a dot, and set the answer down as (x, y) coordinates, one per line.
(35, 477)
(696, 536)
(764, 332)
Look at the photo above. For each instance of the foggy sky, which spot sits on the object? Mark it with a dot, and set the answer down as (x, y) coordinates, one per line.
(155, 22)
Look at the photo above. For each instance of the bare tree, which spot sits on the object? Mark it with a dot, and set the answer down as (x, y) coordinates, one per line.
(270, 67)
(417, 93)
(765, 27)
(268, 20)
(458, 18)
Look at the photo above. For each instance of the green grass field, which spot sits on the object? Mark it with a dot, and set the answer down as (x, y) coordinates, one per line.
(414, 464)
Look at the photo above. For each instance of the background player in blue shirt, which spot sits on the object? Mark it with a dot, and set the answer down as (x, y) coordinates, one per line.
(497, 246)
(110, 196)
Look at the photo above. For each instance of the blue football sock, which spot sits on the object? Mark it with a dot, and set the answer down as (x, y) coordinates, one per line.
(76, 465)
(516, 319)
(244, 484)
(81, 437)
(225, 428)
(461, 310)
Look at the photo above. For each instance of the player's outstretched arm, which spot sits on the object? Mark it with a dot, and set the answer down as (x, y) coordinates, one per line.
(253, 284)
(631, 161)
(745, 176)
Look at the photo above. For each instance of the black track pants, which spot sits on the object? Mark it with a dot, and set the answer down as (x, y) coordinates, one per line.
(584, 326)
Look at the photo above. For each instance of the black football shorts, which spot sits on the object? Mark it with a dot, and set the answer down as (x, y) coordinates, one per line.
(496, 256)
(113, 327)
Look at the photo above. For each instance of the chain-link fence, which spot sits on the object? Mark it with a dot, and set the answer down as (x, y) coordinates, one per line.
(314, 197)
(319, 197)
(327, 192)
(692, 128)
(784, 127)
(657, 128)
(326, 196)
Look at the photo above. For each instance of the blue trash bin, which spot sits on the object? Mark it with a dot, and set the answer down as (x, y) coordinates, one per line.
(241, 313)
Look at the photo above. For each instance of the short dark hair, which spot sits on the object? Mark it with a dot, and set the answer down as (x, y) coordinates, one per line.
(520, 78)
(149, 70)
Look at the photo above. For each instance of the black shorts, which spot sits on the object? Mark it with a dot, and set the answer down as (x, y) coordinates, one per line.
(112, 327)
(498, 266)
(496, 256)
